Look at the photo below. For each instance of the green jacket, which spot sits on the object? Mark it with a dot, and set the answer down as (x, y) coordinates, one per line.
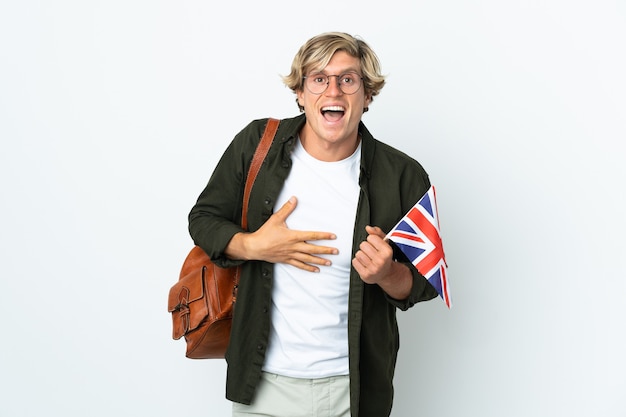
(391, 183)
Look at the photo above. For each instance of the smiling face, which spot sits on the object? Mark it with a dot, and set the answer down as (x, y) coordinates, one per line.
(332, 117)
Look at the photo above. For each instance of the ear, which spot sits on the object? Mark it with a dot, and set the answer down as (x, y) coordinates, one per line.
(368, 101)
(300, 97)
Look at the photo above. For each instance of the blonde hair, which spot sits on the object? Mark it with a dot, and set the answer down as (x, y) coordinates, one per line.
(317, 52)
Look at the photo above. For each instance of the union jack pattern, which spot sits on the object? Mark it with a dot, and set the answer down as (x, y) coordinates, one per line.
(417, 236)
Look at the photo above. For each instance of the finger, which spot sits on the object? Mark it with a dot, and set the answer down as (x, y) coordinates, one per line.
(286, 209)
(362, 259)
(379, 243)
(306, 236)
(308, 262)
(299, 259)
(366, 249)
(302, 265)
(314, 260)
(375, 230)
(377, 257)
(363, 266)
(358, 266)
(375, 247)
(317, 249)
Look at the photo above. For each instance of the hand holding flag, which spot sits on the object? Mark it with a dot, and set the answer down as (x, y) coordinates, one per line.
(417, 236)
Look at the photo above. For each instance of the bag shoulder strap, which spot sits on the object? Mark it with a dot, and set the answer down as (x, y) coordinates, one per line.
(255, 166)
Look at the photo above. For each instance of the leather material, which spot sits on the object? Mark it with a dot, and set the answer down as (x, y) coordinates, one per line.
(201, 303)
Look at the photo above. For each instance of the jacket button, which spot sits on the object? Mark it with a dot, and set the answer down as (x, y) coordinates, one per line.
(266, 273)
(268, 201)
(259, 346)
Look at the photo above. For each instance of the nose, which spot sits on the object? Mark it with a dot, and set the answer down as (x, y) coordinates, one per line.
(333, 87)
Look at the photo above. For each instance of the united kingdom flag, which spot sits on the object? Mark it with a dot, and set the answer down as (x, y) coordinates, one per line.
(417, 236)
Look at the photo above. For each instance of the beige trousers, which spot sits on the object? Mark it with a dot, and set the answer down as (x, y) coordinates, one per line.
(280, 396)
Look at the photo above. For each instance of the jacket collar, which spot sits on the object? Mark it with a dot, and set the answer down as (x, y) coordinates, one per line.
(291, 127)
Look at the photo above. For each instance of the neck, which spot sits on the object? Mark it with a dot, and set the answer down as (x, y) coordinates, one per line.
(329, 151)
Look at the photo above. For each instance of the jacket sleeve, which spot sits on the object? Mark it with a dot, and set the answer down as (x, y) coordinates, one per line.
(216, 216)
(420, 291)
(412, 182)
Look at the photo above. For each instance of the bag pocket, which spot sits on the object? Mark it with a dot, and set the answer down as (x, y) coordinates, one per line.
(188, 303)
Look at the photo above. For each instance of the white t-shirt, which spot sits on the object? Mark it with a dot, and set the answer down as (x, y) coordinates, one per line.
(309, 333)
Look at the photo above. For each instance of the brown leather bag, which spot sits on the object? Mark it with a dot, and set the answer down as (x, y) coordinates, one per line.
(202, 300)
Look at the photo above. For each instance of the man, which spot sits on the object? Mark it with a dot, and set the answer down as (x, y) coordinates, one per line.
(314, 328)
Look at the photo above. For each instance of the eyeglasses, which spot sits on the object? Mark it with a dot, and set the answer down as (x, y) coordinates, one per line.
(349, 83)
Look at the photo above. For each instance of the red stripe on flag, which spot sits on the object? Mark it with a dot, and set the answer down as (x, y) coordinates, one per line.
(407, 236)
(430, 231)
(444, 285)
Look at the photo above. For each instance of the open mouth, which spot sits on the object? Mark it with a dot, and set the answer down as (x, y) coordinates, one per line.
(333, 113)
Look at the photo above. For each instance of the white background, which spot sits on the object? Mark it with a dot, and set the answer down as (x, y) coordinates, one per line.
(113, 115)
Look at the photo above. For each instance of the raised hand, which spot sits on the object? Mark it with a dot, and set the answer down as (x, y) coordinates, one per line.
(375, 265)
(275, 242)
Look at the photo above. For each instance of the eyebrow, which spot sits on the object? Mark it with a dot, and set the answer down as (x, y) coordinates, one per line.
(340, 73)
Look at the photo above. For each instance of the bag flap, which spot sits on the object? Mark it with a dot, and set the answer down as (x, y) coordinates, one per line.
(188, 289)
(187, 303)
